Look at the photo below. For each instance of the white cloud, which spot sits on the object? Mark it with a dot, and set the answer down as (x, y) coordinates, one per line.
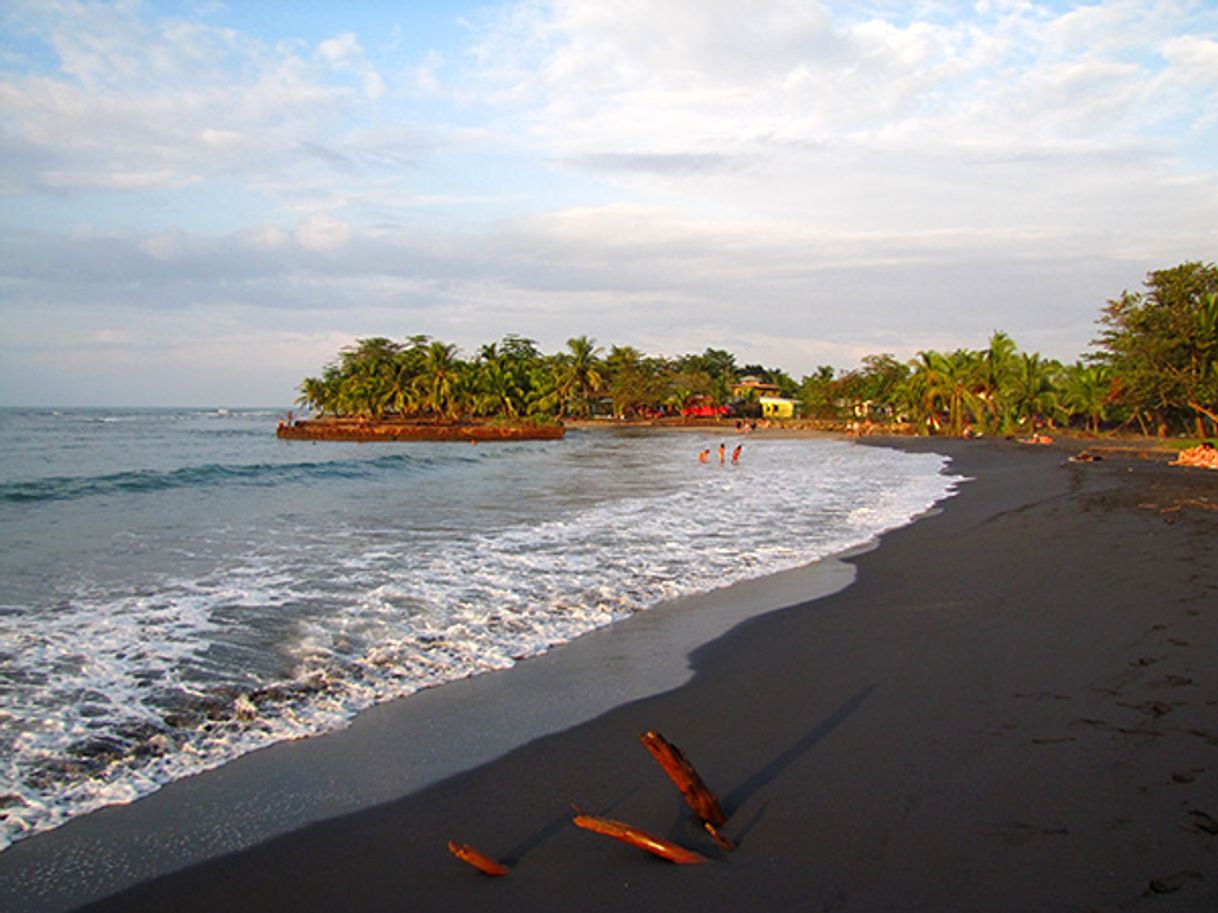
(141, 103)
(725, 79)
(321, 232)
(165, 246)
(222, 139)
(344, 54)
(340, 49)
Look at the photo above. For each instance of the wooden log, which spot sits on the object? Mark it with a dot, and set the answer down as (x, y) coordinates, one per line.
(628, 833)
(480, 861)
(699, 797)
(723, 842)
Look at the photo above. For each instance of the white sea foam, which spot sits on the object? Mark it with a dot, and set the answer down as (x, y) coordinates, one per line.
(318, 609)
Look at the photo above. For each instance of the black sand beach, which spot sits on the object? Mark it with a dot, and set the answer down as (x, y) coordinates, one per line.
(1013, 708)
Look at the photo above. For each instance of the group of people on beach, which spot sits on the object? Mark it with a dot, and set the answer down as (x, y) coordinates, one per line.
(1204, 455)
(704, 456)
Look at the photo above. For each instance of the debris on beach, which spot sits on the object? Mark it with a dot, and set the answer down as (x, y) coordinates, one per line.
(628, 833)
(1203, 456)
(479, 860)
(723, 842)
(703, 802)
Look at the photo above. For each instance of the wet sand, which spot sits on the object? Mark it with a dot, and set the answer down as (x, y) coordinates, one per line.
(1014, 707)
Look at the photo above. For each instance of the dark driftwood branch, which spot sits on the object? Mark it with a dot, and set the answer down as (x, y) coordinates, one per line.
(703, 802)
(480, 861)
(628, 833)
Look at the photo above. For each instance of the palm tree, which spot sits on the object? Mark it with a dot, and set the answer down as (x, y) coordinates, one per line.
(498, 383)
(400, 392)
(359, 394)
(997, 372)
(1086, 392)
(439, 379)
(917, 395)
(316, 394)
(944, 384)
(624, 379)
(543, 395)
(580, 376)
(1033, 394)
(375, 353)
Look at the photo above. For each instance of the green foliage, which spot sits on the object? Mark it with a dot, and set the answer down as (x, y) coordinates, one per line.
(1162, 345)
(1088, 392)
(578, 376)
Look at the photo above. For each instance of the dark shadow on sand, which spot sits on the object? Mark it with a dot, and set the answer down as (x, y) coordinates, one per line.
(745, 791)
(530, 843)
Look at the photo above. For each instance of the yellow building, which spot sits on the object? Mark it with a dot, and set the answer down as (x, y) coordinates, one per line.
(777, 407)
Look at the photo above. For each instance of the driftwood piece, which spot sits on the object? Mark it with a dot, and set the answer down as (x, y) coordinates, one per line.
(480, 861)
(723, 842)
(628, 833)
(703, 802)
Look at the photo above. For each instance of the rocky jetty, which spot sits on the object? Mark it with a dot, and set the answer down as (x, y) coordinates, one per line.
(345, 429)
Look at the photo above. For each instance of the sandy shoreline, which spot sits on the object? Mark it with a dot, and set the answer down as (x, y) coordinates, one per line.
(1014, 707)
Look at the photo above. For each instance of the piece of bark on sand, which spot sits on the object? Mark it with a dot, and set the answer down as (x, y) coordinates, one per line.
(628, 833)
(479, 860)
(703, 802)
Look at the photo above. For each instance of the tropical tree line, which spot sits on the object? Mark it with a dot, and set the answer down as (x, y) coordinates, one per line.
(995, 390)
(1154, 368)
(423, 377)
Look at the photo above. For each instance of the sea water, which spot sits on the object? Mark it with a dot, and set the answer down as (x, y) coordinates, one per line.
(180, 587)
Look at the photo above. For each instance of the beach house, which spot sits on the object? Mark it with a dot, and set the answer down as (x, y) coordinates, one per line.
(777, 407)
(750, 389)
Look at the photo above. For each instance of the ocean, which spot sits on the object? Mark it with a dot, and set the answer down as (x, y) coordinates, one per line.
(180, 587)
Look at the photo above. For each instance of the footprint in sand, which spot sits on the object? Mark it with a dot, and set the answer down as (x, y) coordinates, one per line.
(1041, 696)
(1172, 681)
(1187, 776)
(1105, 726)
(1018, 832)
(1155, 709)
(1169, 884)
(1202, 822)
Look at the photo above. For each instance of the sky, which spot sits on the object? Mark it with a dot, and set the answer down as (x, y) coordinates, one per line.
(201, 202)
